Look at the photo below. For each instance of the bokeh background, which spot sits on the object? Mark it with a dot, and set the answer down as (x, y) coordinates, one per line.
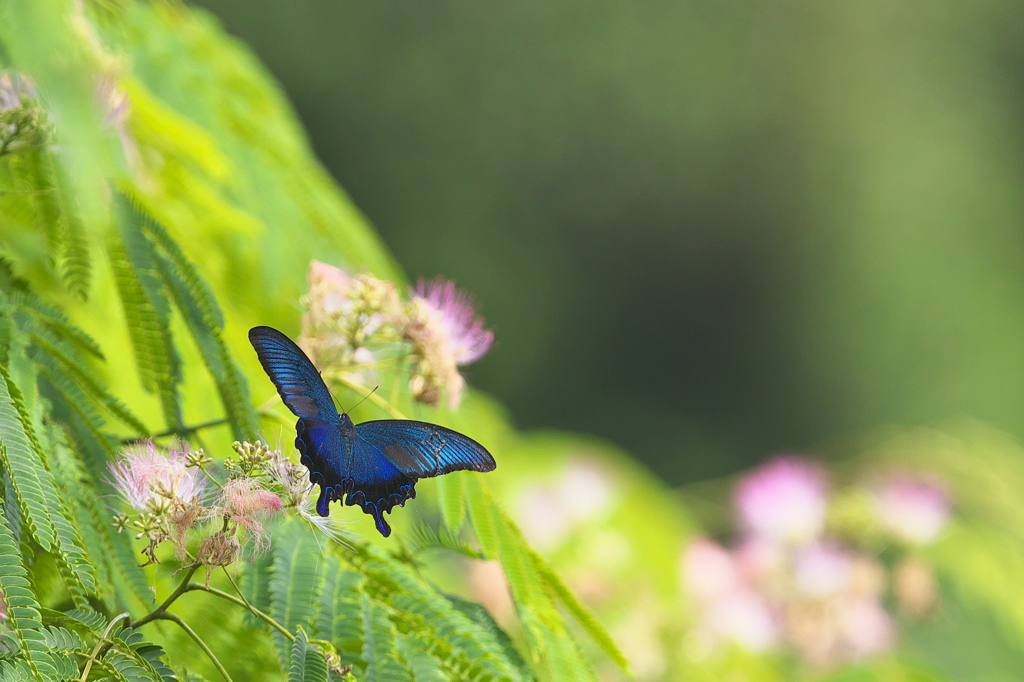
(706, 231)
(704, 234)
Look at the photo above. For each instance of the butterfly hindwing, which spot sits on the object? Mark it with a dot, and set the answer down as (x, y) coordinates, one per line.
(422, 450)
(392, 454)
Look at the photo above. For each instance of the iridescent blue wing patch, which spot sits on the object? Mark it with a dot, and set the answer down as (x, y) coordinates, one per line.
(295, 377)
(395, 453)
(422, 450)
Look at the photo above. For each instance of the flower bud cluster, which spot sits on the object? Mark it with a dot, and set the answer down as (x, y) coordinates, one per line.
(170, 502)
(354, 323)
(804, 573)
(22, 121)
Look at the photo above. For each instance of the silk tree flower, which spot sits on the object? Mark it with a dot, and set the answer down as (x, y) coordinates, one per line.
(783, 501)
(291, 478)
(729, 609)
(585, 491)
(116, 107)
(446, 333)
(249, 506)
(709, 571)
(343, 313)
(14, 89)
(865, 629)
(912, 509)
(541, 516)
(914, 586)
(150, 480)
(822, 570)
(489, 587)
(20, 114)
(762, 563)
(743, 617)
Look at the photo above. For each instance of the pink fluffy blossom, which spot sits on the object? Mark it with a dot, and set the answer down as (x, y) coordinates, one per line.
(822, 570)
(708, 570)
(866, 628)
(445, 333)
(783, 501)
(455, 316)
(913, 509)
(144, 476)
(744, 618)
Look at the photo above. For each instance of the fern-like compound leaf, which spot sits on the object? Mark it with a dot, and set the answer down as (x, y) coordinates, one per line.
(307, 662)
(295, 582)
(25, 468)
(380, 650)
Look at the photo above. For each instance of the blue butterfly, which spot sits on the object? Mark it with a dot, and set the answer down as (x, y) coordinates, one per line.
(374, 464)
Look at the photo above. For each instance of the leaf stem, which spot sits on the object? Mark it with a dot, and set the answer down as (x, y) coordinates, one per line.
(179, 431)
(255, 611)
(174, 618)
(99, 645)
(178, 591)
(215, 481)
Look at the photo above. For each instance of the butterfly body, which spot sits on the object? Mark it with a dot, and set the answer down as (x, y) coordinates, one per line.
(374, 464)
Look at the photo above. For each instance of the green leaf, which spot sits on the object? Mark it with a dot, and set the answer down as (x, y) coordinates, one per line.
(22, 606)
(295, 582)
(308, 663)
(424, 537)
(452, 501)
(379, 647)
(205, 320)
(424, 667)
(84, 378)
(53, 318)
(340, 620)
(256, 583)
(25, 467)
(418, 610)
(144, 655)
(147, 312)
(579, 612)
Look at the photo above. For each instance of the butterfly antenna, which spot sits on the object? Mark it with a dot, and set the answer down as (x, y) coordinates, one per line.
(365, 397)
(335, 399)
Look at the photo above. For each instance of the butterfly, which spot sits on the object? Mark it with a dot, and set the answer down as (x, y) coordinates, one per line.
(374, 464)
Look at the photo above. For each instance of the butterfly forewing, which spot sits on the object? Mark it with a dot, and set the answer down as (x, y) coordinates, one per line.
(295, 377)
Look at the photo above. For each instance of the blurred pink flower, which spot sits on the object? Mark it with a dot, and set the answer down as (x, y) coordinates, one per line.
(865, 627)
(913, 509)
(783, 501)
(821, 570)
(585, 490)
(328, 286)
(708, 570)
(144, 476)
(446, 333)
(457, 321)
(743, 617)
(915, 587)
(542, 517)
(488, 585)
(760, 562)
(14, 86)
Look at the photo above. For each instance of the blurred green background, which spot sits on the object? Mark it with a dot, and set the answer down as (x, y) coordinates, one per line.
(706, 231)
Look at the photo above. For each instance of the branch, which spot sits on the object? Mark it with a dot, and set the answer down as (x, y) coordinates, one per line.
(255, 611)
(174, 618)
